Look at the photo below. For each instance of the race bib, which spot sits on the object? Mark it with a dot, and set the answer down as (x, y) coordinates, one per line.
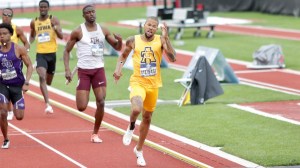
(9, 74)
(148, 70)
(97, 50)
(43, 37)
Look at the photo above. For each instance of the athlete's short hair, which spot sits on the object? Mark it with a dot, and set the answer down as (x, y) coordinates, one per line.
(152, 18)
(86, 6)
(8, 27)
(47, 2)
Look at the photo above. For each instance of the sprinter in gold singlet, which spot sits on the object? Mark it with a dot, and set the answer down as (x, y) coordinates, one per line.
(44, 30)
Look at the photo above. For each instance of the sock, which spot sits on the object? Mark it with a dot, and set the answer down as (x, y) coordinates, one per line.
(132, 125)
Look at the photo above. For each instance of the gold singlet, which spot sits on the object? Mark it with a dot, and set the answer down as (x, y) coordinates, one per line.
(45, 36)
(146, 59)
(14, 38)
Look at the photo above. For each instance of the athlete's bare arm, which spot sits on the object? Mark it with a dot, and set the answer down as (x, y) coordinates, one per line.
(75, 36)
(32, 32)
(23, 54)
(122, 58)
(22, 37)
(56, 26)
(168, 48)
(115, 40)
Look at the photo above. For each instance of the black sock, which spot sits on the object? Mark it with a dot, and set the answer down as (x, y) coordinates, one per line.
(132, 125)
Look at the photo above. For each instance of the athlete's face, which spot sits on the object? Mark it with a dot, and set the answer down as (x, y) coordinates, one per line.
(150, 27)
(7, 16)
(89, 14)
(4, 35)
(44, 8)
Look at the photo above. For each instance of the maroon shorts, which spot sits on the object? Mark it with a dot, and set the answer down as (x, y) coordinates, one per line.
(91, 77)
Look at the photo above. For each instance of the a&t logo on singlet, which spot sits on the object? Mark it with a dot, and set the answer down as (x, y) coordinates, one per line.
(148, 62)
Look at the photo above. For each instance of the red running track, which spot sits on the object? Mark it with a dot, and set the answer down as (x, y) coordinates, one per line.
(70, 136)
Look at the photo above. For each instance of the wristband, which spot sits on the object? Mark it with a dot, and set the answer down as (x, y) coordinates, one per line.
(26, 83)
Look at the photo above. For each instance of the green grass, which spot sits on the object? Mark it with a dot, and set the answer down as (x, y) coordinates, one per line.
(265, 141)
(264, 19)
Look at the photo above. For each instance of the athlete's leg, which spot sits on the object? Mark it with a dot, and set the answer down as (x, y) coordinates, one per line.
(51, 61)
(99, 87)
(4, 101)
(144, 128)
(137, 97)
(18, 101)
(3, 119)
(100, 93)
(82, 99)
(149, 107)
(10, 113)
(49, 78)
(19, 108)
(9, 107)
(83, 89)
(136, 107)
(43, 86)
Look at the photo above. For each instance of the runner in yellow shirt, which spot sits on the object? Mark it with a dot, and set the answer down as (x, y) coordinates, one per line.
(146, 78)
(45, 29)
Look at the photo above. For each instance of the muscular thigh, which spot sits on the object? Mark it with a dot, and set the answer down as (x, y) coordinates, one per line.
(91, 77)
(151, 99)
(99, 78)
(51, 60)
(82, 99)
(13, 94)
(47, 61)
(4, 94)
(148, 95)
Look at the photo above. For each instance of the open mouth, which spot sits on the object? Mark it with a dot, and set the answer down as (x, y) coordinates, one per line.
(149, 33)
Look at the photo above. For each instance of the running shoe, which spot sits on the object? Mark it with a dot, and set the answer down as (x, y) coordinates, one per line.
(127, 137)
(10, 115)
(95, 139)
(140, 158)
(5, 144)
(49, 110)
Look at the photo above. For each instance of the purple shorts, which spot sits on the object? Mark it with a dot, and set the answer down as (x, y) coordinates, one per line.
(91, 77)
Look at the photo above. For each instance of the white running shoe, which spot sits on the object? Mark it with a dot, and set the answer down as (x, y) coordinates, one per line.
(10, 115)
(127, 137)
(49, 110)
(5, 144)
(140, 158)
(95, 139)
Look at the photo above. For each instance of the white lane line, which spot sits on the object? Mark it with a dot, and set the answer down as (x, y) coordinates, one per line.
(258, 112)
(47, 146)
(154, 128)
(52, 132)
(118, 130)
(254, 71)
(270, 86)
(214, 150)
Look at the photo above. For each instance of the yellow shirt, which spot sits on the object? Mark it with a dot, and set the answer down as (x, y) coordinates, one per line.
(146, 59)
(45, 35)
(14, 38)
